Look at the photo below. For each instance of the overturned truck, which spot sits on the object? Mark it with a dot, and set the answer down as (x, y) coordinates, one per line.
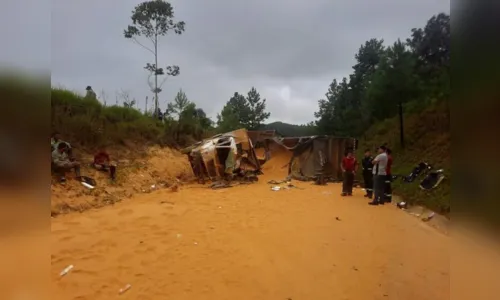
(223, 156)
(312, 157)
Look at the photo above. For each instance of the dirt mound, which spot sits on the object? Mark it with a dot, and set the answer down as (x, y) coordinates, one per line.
(277, 165)
(154, 169)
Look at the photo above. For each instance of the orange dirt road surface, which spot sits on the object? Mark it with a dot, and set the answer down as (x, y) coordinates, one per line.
(248, 242)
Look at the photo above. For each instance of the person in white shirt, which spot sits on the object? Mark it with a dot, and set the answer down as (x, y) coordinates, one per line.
(379, 175)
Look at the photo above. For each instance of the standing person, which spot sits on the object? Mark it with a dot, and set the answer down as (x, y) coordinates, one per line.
(388, 179)
(349, 167)
(379, 175)
(368, 173)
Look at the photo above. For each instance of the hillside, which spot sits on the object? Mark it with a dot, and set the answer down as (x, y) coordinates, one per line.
(427, 138)
(290, 130)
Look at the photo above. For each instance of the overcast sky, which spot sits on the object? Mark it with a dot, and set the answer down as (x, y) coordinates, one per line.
(289, 50)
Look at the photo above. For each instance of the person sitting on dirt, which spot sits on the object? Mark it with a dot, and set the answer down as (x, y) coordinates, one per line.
(62, 163)
(55, 140)
(349, 167)
(102, 162)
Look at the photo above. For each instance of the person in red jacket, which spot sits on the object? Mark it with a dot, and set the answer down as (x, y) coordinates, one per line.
(102, 162)
(388, 179)
(349, 167)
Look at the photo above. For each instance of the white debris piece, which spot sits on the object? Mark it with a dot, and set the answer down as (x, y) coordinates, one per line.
(66, 270)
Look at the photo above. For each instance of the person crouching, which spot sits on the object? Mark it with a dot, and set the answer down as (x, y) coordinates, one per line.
(103, 163)
(349, 167)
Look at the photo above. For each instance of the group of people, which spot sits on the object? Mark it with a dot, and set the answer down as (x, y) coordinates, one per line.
(63, 160)
(376, 175)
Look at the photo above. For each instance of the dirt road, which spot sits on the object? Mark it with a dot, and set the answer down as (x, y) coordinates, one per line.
(249, 242)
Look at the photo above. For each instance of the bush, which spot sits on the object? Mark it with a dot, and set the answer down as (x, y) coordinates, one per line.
(90, 124)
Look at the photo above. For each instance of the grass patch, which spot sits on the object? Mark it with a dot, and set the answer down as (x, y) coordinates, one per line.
(427, 138)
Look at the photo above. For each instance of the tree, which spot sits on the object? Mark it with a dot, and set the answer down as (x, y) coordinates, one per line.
(243, 112)
(205, 122)
(152, 20)
(178, 108)
(385, 78)
(394, 82)
(257, 110)
(368, 60)
(179, 105)
(326, 121)
(234, 115)
(126, 99)
(432, 48)
(431, 45)
(188, 118)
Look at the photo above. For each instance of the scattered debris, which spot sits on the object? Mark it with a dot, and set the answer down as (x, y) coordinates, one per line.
(87, 185)
(276, 181)
(429, 217)
(402, 205)
(66, 270)
(422, 167)
(174, 188)
(432, 180)
(124, 289)
(290, 185)
(220, 185)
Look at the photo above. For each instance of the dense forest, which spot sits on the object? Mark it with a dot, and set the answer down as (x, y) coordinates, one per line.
(408, 75)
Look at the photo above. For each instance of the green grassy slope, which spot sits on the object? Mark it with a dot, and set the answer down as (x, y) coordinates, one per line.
(427, 138)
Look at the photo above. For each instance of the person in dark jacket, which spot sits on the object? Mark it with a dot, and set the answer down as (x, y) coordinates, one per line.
(349, 167)
(367, 173)
(388, 179)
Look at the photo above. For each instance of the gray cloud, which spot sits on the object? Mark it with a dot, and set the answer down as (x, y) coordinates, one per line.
(289, 50)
